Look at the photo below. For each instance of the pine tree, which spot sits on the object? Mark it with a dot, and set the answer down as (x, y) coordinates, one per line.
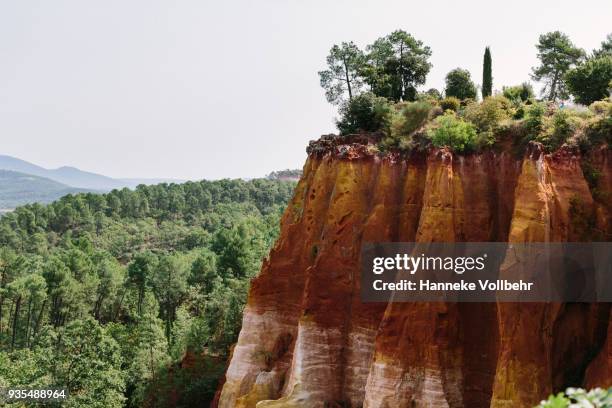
(487, 76)
(557, 55)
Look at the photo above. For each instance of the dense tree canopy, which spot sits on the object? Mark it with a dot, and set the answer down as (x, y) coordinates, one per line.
(107, 293)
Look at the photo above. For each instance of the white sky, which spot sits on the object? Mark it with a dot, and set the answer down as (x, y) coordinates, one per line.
(202, 89)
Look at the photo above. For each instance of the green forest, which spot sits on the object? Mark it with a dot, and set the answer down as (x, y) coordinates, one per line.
(115, 295)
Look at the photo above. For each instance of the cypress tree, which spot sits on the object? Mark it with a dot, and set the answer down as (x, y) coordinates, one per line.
(487, 76)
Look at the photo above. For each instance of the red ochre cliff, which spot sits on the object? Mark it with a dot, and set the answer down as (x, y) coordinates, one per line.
(308, 341)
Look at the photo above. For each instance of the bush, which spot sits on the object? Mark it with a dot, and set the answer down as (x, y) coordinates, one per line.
(603, 107)
(429, 98)
(408, 119)
(534, 120)
(450, 103)
(599, 128)
(519, 93)
(365, 112)
(450, 131)
(412, 116)
(460, 85)
(431, 94)
(519, 112)
(488, 115)
(563, 124)
(590, 172)
(577, 397)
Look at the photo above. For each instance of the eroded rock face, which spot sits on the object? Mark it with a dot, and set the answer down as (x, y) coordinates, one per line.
(308, 341)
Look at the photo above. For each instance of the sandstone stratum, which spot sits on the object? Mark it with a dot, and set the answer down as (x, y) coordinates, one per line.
(308, 341)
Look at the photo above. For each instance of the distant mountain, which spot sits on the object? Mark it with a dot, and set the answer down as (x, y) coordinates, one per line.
(19, 188)
(73, 177)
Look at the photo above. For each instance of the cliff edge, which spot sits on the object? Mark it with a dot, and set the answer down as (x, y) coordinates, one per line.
(308, 341)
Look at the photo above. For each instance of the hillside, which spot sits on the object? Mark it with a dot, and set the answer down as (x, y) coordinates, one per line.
(73, 177)
(20, 188)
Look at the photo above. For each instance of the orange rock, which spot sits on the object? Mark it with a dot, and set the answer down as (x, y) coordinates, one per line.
(307, 340)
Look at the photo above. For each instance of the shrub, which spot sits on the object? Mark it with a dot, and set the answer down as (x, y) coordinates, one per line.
(488, 115)
(563, 124)
(365, 112)
(534, 120)
(450, 103)
(460, 85)
(434, 93)
(590, 172)
(603, 107)
(599, 128)
(433, 96)
(519, 93)
(577, 397)
(411, 117)
(519, 112)
(592, 175)
(485, 139)
(455, 133)
(408, 118)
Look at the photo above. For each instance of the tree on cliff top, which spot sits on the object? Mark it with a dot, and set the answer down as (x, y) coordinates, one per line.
(487, 75)
(459, 84)
(397, 64)
(342, 78)
(590, 81)
(557, 55)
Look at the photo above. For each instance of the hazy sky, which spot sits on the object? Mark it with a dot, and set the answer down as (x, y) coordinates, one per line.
(203, 89)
